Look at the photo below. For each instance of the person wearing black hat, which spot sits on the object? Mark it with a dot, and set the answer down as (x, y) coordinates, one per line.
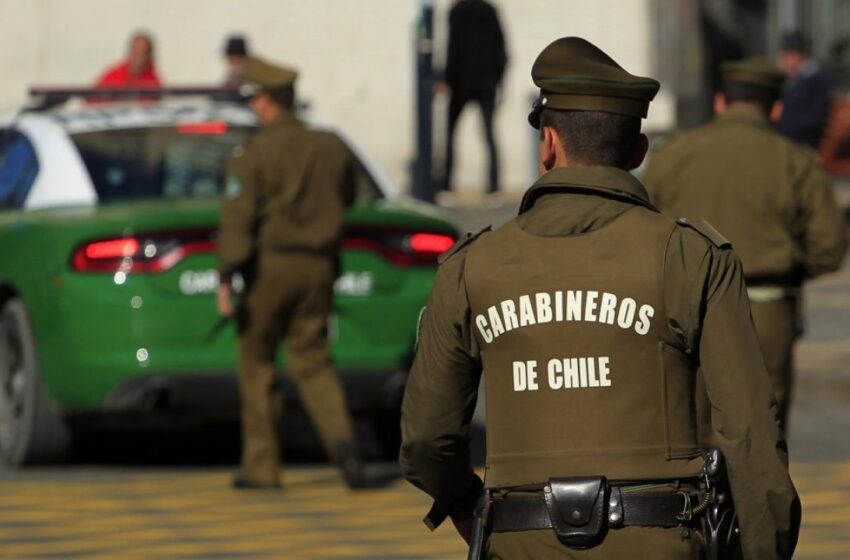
(768, 195)
(235, 53)
(806, 98)
(588, 316)
(281, 225)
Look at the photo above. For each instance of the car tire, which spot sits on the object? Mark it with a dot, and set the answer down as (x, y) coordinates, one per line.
(31, 429)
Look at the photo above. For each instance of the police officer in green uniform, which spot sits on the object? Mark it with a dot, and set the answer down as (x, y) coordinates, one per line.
(588, 316)
(282, 217)
(767, 195)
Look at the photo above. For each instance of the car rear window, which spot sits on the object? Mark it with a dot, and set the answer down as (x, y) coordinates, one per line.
(18, 168)
(186, 161)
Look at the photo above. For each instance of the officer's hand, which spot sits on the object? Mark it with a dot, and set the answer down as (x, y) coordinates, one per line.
(223, 301)
(441, 88)
(464, 529)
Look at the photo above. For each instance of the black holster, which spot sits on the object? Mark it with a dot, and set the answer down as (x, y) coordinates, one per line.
(720, 522)
(578, 511)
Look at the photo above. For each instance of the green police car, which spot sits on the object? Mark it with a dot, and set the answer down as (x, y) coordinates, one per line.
(108, 221)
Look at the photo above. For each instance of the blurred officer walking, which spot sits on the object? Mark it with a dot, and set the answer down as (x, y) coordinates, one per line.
(588, 315)
(769, 196)
(283, 209)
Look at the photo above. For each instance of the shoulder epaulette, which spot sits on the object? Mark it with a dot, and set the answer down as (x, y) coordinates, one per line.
(461, 243)
(706, 230)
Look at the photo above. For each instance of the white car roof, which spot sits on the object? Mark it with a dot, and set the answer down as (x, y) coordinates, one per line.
(63, 179)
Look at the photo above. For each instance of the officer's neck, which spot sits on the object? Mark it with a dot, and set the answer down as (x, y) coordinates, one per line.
(750, 112)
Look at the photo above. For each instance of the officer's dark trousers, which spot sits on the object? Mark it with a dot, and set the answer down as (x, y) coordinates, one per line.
(629, 542)
(487, 101)
(777, 329)
(290, 300)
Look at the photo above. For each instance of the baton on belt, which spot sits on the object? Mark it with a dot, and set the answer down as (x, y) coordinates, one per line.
(479, 527)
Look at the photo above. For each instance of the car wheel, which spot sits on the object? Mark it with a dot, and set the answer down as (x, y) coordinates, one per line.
(31, 430)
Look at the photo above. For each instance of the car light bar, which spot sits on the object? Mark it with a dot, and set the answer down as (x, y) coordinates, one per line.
(47, 97)
(125, 92)
(202, 128)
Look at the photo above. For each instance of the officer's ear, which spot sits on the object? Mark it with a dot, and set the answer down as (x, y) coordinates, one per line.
(639, 153)
(550, 144)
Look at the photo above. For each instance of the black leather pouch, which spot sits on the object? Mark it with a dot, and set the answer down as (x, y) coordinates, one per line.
(578, 509)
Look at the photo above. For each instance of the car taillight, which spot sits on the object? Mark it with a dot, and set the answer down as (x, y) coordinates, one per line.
(431, 243)
(144, 252)
(400, 247)
(111, 249)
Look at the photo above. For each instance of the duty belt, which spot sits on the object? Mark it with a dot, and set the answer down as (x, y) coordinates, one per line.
(649, 509)
(580, 510)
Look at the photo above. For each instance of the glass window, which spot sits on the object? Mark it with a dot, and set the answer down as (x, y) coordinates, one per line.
(178, 162)
(366, 188)
(18, 168)
(185, 161)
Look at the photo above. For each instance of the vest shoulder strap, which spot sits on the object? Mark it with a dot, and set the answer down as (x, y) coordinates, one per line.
(461, 243)
(706, 230)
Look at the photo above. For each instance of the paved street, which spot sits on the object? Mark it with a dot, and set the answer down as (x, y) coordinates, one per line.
(105, 509)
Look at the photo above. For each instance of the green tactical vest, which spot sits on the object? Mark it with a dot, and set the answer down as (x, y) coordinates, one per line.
(582, 374)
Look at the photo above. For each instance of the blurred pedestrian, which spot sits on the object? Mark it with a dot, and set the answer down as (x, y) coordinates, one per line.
(235, 53)
(587, 316)
(768, 195)
(283, 211)
(137, 70)
(475, 64)
(806, 99)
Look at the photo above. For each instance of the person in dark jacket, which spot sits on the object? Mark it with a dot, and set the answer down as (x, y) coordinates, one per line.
(475, 64)
(806, 99)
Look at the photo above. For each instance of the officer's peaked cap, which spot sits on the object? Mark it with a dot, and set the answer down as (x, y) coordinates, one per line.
(756, 71)
(575, 75)
(266, 76)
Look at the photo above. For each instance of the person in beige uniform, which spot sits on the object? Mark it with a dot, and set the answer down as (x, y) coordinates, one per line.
(588, 316)
(281, 227)
(770, 197)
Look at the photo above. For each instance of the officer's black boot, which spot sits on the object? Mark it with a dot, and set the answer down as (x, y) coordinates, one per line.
(351, 465)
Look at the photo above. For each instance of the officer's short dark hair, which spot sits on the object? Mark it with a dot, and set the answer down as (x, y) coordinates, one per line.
(740, 92)
(284, 96)
(594, 137)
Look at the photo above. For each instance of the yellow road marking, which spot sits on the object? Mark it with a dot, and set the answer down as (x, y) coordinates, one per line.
(173, 515)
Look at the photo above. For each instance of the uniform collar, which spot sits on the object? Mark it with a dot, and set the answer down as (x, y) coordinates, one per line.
(598, 180)
(285, 119)
(743, 114)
